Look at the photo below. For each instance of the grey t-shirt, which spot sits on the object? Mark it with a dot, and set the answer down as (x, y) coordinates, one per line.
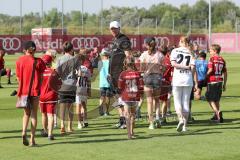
(66, 68)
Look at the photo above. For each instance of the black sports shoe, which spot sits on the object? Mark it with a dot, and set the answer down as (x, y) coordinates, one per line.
(43, 133)
(221, 117)
(85, 124)
(14, 93)
(100, 110)
(214, 118)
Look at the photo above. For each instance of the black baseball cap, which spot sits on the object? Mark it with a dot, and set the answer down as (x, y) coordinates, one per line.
(29, 45)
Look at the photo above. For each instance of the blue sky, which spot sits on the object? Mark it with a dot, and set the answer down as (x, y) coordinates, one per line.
(12, 7)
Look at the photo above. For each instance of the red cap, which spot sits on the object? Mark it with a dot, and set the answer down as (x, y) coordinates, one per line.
(47, 59)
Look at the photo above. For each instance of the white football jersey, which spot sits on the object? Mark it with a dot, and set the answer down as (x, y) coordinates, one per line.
(182, 77)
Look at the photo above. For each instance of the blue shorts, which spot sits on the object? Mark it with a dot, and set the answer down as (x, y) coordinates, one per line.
(152, 81)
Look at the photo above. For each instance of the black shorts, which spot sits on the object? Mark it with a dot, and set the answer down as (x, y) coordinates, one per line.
(152, 81)
(105, 92)
(66, 98)
(202, 84)
(214, 92)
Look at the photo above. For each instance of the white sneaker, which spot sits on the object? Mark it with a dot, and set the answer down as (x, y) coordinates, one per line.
(151, 126)
(80, 126)
(180, 126)
(184, 129)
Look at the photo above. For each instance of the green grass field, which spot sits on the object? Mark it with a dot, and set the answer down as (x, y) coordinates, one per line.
(203, 141)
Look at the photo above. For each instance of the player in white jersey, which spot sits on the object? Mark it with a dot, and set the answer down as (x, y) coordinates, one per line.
(182, 81)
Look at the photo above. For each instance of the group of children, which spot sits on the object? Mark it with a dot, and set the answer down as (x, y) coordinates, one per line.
(140, 75)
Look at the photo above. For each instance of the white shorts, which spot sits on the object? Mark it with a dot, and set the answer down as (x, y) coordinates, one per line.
(80, 99)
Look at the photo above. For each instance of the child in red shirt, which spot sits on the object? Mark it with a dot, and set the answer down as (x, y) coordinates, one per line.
(130, 84)
(48, 100)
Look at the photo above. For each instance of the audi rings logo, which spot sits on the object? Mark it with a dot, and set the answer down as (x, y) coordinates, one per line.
(162, 41)
(86, 42)
(10, 43)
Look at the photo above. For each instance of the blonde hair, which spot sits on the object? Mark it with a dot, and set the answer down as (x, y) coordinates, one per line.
(184, 40)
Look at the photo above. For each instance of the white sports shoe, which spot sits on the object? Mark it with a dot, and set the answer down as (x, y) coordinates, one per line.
(80, 126)
(184, 129)
(180, 126)
(151, 126)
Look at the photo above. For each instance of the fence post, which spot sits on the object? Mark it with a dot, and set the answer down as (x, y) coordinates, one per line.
(138, 26)
(156, 26)
(236, 27)
(190, 26)
(173, 26)
(82, 17)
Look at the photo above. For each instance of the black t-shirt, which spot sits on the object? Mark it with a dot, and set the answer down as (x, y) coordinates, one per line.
(120, 44)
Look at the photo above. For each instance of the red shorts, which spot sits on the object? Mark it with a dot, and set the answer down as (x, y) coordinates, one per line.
(48, 108)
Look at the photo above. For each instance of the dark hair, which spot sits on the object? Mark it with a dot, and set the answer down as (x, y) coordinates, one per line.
(149, 40)
(67, 46)
(29, 45)
(202, 54)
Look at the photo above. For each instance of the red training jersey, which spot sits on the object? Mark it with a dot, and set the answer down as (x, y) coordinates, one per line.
(1, 63)
(47, 94)
(24, 67)
(130, 84)
(218, 64)
(167, 75)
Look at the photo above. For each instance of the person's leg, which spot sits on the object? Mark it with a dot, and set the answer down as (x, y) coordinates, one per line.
(43, 108)
(45, 122)
(169, 103)
(128, 120)
(84, 113)
(70, 116)
(34, 103)
(8, 70)
(50, 124)
(138, 109)
(25, 121)
(132, 118)
(149, 96)
(164, 110)
(50, 115)
(186, 108)
(62, 116)
(107, 104)
(177, 98)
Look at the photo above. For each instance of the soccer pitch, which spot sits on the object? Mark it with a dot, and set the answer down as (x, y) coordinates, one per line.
(203, 141)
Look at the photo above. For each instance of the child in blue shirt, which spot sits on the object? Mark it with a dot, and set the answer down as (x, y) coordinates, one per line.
(201, 67)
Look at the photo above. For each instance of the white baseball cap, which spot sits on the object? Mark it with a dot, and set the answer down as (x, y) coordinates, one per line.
(114, 24)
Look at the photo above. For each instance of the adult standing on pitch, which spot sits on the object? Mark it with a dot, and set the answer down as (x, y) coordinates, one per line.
(120, 44)
(182, 82)
(25, 66)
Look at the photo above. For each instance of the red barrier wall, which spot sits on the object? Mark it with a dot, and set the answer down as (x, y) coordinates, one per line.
(14, 44)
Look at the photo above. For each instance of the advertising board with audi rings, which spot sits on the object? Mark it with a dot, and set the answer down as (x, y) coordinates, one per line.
(13, 44)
